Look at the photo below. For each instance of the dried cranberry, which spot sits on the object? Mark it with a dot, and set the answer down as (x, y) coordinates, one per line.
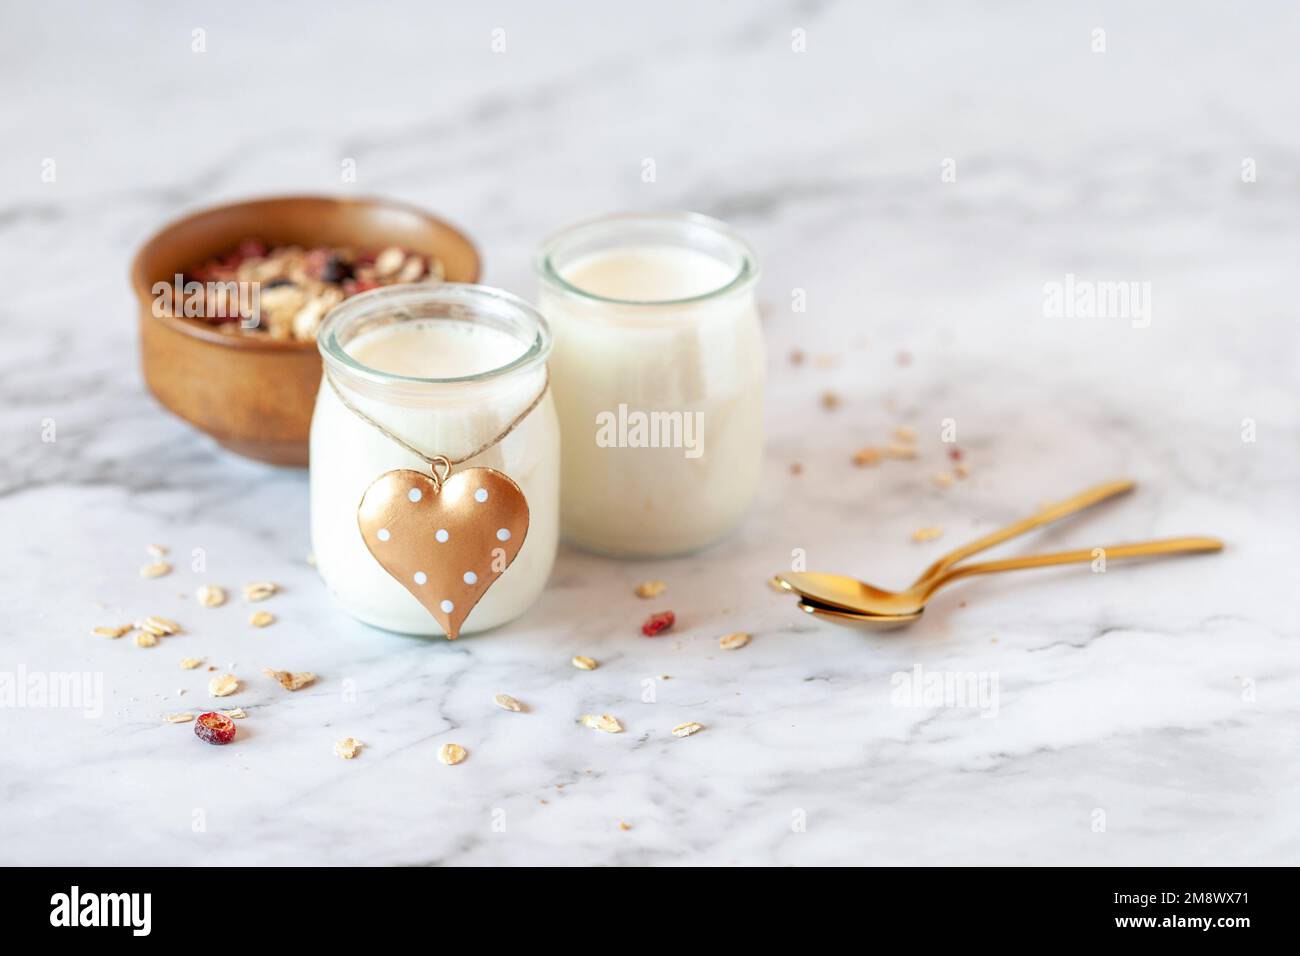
(335, 270)
(251, 249)
(357, 286)
(326, 265)
(656, 624)
(954, 454)
(214, 728)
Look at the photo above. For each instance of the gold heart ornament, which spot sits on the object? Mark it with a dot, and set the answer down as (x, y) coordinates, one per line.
(446, 541)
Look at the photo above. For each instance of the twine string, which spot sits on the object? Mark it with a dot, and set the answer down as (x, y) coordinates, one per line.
(436, 462)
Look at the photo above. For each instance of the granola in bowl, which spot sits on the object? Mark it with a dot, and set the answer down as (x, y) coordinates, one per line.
(284, 291)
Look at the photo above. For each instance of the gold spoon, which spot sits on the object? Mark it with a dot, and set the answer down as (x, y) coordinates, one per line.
(843, 598)
(1045, 515)
(835, 596)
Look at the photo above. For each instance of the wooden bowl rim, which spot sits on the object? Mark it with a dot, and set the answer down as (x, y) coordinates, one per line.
(144, 289)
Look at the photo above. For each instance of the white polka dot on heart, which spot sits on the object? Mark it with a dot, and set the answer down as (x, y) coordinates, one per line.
(447, 607)
(382, 534)
(415, 494)
(441, 534)
(503, 534)
(421, 577)
(471, 577)
(480, 495)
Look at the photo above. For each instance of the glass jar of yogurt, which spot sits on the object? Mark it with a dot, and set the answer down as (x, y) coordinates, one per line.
(658, 371)
(447, 368)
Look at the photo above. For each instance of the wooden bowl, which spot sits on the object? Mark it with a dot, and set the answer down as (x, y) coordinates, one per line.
(254, 394)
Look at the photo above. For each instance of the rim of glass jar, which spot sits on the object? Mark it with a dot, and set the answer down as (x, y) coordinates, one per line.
(361, 306)
(746, 276)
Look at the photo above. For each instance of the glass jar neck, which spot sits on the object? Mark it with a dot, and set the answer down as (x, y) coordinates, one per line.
(462, 306)
(697, 234)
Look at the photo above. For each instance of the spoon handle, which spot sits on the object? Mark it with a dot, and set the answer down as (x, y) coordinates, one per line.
(1055, 512)
(1140, 549)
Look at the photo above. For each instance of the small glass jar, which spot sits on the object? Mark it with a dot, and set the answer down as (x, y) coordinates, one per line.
(446, 367)
(659, 367)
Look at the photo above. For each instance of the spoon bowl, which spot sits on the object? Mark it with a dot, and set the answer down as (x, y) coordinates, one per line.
(849, 594)
(865, 622)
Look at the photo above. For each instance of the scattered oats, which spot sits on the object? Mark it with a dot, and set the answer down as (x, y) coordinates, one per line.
(796, 356)
(223, 685)
(899, 450)
(145, 639)
(649, 589)
(189, 663)
(289, 680)
(452, 754)
(796, 468)
(160, 626)
(506, 702)
(830, 400)
(961, 470)
(865, 457)
(347, 748)
(157, 550)
(259, 590)
(943, 479)
(236, 714)
(926, 534)
(905, 434)
(624, 826)
(115, 631)
(155, 570)
(584, 663)
(734, 641)
(827, 361)
(184, 718)
(686, 729)
(605, 722)
(261, 618)
(210, 595)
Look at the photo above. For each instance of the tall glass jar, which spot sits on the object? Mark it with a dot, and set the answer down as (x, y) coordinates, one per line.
(659, 368)
(446, 368)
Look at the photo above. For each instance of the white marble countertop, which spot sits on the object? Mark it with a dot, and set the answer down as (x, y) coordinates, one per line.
(1145, 715)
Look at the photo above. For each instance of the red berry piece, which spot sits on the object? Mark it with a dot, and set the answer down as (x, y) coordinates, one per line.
(214, 728)
(656, 624)
(954, 454)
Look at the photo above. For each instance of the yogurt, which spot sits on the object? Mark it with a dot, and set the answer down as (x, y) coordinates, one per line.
(659, 369)
(446, 368)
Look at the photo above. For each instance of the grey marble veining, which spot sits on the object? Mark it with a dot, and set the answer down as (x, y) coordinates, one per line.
(1145, 715)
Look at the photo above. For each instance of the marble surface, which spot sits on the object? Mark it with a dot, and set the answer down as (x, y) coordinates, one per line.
(1145, 715)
